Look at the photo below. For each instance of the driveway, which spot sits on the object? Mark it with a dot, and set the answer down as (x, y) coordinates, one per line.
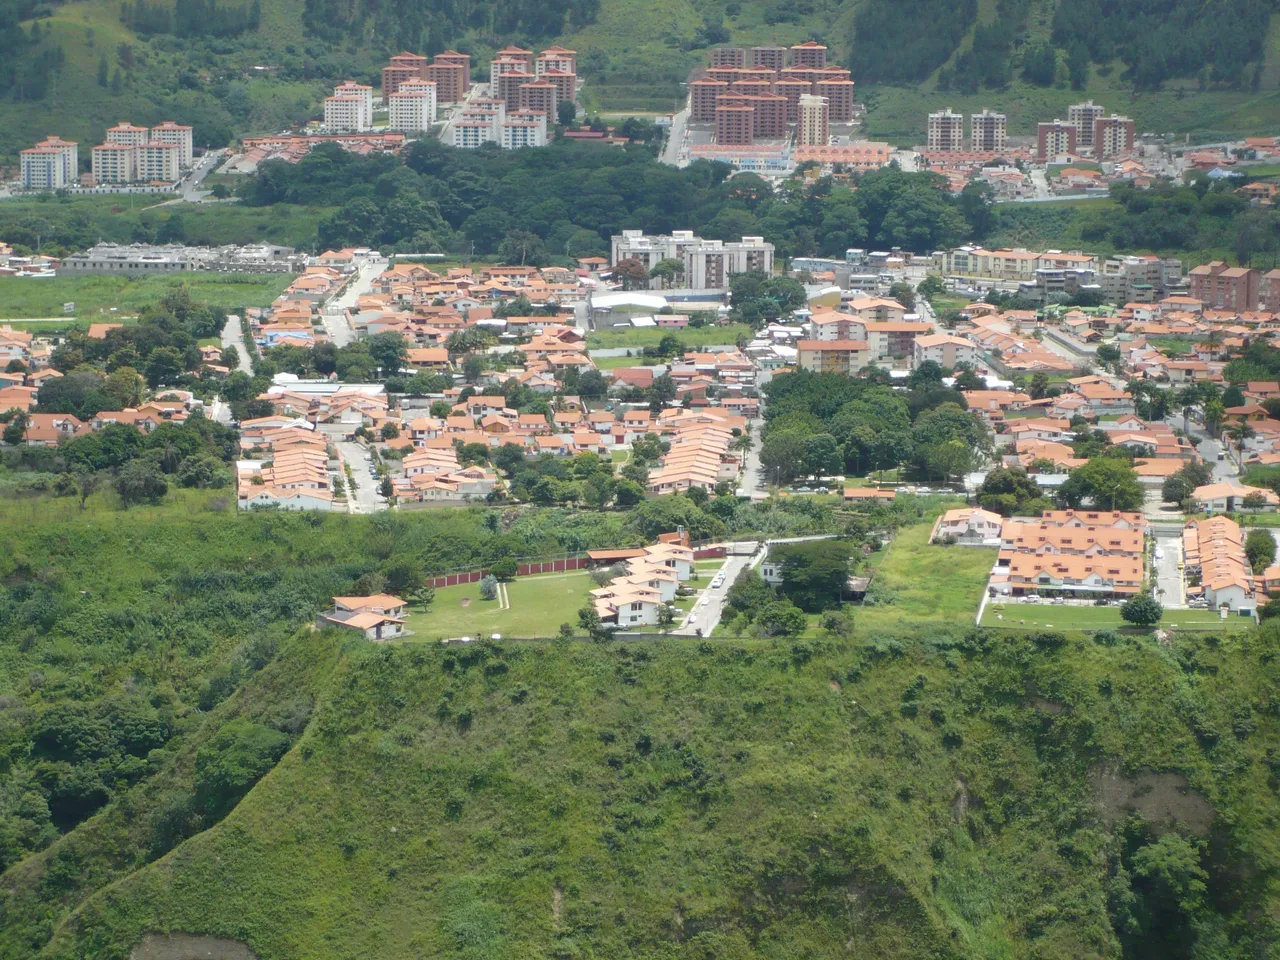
(752, 475)
(233, 336)
(1170, 589)
(674, 146)
(710, 603)
(365, 498)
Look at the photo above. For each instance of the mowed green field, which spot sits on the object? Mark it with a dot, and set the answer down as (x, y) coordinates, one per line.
(1042, 616)
(96, 296)
(538, 605)
(651, 336)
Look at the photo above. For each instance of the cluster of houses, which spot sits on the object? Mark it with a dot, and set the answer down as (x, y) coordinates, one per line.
(653, 575)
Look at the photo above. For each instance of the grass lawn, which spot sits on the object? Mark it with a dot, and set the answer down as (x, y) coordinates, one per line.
(1037, 616)
(930, 582)
(94, 296)
(652, 336)
(613, 363)
(539, 604)
(942, 304)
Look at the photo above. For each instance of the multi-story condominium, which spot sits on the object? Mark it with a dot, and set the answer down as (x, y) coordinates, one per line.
(451, 73)
(513, 52)
(403, 66)
(127, 134)
(988, 130)
(733, 57)
(523, 128)
(1083, 115)
(752, 87)
(412, 108)
(561, 54)
(469, 134)
(115, 163)
(159, 161)
(708, 264)
(1055, 139)
(1269, 291)
(946, 130)
(566, 85)
(769, 56)
(1139, 279)
(504, 65)
(770, 117)
(555, 63)
(734, 124)
(968, 261)
(702, 99)
(839, 97)
(539, 96)
(945, 350)
(508, 88)
(845, 357)
(812, 126)
(1112, 136)
(344, 114)
(1220, 287)
(809, 54)
(170, 132)
(43, 168)
(793, 90)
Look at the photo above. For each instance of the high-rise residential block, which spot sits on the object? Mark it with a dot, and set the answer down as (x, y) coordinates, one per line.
(114, 162)
(809, 54)
(770, 119)
(1055, 139)
(170, 132)
(362, 96)
(51, 164)
(403, 66)
(988, 130)
(769, 56)
(946, 130)
(729, 57)
(734, 124)
(563, 55)
(159, 161)
(702, 99)
(1112, 136)
(1084, 115)
(452, 77)
(813, 125)
(509, 84)
(127, 134)
(1220, 287)
(518, 53)
(839, 96)
(540, 97)
(566, 85)
(412, 108)
(523, 128)
(503, 65)
(792, 90)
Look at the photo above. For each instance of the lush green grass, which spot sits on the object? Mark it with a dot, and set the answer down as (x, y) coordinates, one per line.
(929, 583)
(1069, 617)
(94, 296)
(539, 604)
(652, 336)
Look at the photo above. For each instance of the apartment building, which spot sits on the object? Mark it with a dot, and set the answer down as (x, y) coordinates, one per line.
(1220, 287)
(127, 134)
(792, 90)
(451, 73)
(508, 88)
(344, 114)
(469, 134)
(558, 58)
(703, 95)
(512, 52)
(734, 124)
(735, 58)
(412, 108)
(769, 57)
(50, 164)
(945, 350)
(180, 134)
(812, 126)
(845, 357)
(523, 128)
(1140, 279)
(1055, 139)
(1084, 115)
(114, 163)
(708, 264)
(894, 339)
(809, 54)
(839, 96)
(946, 130)
(402, 67)
(503, 65)
(159, 161)
(1269, 291)
(539, 96)
(988, 130)
(1112, 136)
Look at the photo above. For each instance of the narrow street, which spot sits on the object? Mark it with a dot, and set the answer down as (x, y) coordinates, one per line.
(334, 314)
(365, 498)
(233, 336)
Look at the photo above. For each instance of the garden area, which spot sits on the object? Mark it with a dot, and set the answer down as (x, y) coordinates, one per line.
(532, 606)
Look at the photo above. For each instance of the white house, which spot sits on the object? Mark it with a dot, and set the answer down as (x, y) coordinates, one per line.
(968, 525)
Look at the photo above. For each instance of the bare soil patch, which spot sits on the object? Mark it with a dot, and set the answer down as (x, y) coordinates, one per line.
(186, 946)
(1159, 797)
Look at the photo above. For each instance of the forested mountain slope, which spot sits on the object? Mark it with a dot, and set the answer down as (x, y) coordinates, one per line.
(235, 66)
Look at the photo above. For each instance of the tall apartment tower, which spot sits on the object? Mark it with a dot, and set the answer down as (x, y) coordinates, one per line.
(735, 57)
(1084, 116)
(839, 94)
(412, 108)
(539, 97)
(50, 164)
(812, 129)
(1055, 139)
(517, 53)
(403, 66)
(361, 93)
(702, 99)
(170, 132)
(1112, 136)
(946, 130)
(451, 73)
(567, 57)
(987, 130)
(501, 65)
(114, 163)
(735, 124)
(769, 57)
(508, 88)
(809, 54)
(129, 135)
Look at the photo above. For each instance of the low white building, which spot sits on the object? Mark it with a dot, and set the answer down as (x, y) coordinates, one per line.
(968, 525)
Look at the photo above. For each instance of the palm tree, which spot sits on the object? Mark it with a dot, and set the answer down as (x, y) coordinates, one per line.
(1187, 398)
(1240, 432)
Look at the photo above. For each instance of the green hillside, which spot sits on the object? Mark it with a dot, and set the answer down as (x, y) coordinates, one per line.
(925, 791)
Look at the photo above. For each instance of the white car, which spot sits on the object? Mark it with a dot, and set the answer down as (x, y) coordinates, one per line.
(717, 583)
(1159, 553)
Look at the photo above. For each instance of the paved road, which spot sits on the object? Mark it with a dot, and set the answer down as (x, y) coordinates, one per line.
(1208, 447)
(710, 605)
(477, 90)
(365, 498)
(233, 336)
(752, 475)
(672, 149)
(334, 315)
(190, 186)
(1169, 584)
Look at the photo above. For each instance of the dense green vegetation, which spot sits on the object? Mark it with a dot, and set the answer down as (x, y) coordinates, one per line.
(570, 198)
(94, 296)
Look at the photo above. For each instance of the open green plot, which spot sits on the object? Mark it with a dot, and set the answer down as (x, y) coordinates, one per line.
(538, 605)
(652, 336)
(1044, 616)
(614, 363)
(95, 296)
(927, 582)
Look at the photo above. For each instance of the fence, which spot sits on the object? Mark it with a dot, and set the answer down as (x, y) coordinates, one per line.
(565, 564)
